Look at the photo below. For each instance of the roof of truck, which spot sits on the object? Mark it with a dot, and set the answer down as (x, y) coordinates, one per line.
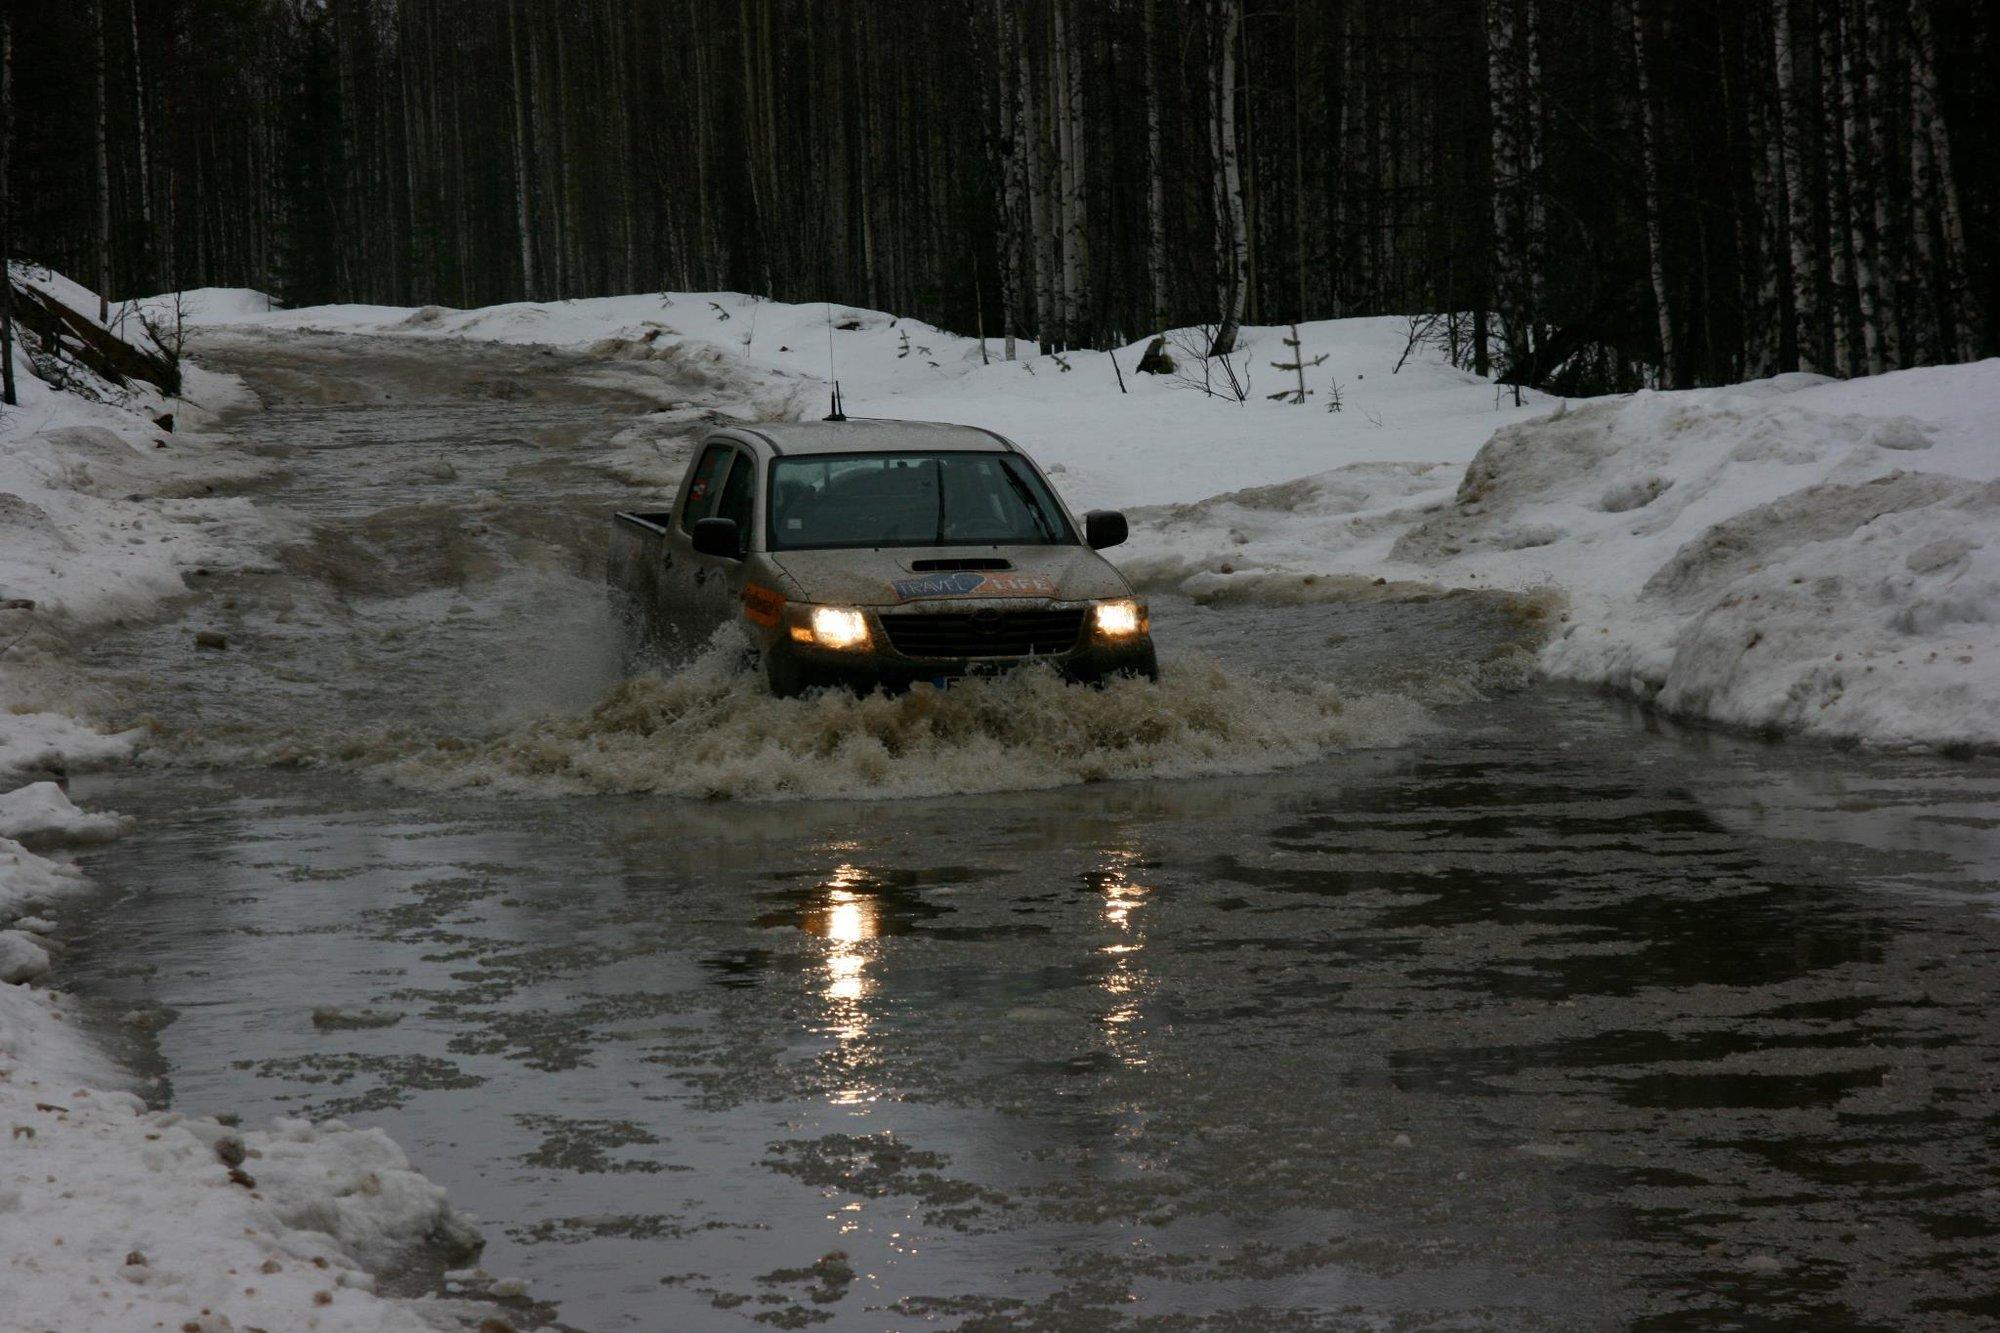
(863, 435)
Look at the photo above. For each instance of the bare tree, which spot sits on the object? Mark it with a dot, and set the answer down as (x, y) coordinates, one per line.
(523, 115)
(1936, 183)
(1649, 151)
(1156, 181)
(1794, 139)
(1232, 238)
(103, 174)
(7, 393)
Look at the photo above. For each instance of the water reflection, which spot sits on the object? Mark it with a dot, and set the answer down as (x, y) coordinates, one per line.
(1124, 980)
(845, 912)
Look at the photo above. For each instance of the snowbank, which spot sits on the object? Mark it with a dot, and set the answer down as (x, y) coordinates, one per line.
(113, 1216)
(1799, 554)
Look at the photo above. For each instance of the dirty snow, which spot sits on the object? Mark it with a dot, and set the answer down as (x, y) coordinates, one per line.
(1798, 555)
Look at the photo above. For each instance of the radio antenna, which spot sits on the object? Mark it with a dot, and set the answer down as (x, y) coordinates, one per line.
(836, 414)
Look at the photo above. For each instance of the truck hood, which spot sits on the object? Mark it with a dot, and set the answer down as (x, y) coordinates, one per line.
(892, 577)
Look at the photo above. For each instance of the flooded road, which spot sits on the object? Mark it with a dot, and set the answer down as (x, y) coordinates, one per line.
(1513, 1008)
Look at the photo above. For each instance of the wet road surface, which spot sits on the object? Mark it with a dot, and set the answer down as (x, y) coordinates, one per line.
(1549, 1015)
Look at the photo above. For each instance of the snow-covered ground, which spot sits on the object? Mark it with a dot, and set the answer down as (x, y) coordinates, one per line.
(113, 1216)
(1796, 554)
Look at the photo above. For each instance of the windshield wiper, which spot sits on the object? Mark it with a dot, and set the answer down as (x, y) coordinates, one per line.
(1028, 501)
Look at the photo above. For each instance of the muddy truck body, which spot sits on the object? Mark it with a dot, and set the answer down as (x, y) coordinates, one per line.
(874, 554)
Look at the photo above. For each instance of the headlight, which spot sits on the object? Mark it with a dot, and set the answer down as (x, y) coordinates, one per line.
(1119, 620)
(838, 627)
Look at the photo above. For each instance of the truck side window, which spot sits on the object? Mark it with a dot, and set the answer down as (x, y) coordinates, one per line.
(702, 487)
(736, 495)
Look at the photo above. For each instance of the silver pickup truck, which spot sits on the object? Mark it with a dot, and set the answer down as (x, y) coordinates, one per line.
(876, 553)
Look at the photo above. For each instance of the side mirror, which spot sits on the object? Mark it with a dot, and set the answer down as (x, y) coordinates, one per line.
(1102, 528)
(719, 537)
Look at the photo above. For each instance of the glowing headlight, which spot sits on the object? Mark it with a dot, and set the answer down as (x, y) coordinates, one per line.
(1119, 620)
(838, 627)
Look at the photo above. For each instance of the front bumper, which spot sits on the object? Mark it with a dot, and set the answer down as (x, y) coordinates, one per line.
(793, 665)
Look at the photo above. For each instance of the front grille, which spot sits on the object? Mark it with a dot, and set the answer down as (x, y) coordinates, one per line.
(984, 633)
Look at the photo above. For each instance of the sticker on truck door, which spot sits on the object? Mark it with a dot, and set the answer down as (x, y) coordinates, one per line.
(762, 605)
(971, 583)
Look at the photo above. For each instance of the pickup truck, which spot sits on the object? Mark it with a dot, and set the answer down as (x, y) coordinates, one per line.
(868, 554)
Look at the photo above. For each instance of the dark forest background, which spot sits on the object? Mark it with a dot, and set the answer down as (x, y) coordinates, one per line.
(1602, 192)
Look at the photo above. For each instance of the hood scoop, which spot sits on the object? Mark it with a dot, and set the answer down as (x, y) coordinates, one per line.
(948, 566)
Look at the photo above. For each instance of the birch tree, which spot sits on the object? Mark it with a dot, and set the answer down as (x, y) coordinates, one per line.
(524, 114)
(1935, 182)
(1231, 233)
(1156, 183)
(7, 393)
(103, 111)
(1649, 151)
(1795, 144)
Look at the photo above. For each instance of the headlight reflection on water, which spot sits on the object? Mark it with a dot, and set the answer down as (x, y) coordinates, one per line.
(848, 919)
(1125, 982)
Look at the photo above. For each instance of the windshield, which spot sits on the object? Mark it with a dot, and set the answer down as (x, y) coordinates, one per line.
(911, 499)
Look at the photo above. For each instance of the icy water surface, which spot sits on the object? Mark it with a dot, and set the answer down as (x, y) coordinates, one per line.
(1531, 1013)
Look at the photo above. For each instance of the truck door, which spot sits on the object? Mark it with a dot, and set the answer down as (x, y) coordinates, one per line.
(683, 622)
(718, 582)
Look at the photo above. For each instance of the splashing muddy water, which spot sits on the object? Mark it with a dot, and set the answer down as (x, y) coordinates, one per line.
(712, 730)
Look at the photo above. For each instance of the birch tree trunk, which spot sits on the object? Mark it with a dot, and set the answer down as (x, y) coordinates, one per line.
(1504, 188)
(1840, 259)
(1040, 228)
(1655, 242)
(141, 133)
(1068, 224)
(1009, 145)
(1534, 198)
(1794, 140)
(523, 114)
(1881, 58)
(1231, 238)
(1156, 184)
(1860, 185)
(1768, 178)
(1938, 190)
(7, 394)
(103, 176)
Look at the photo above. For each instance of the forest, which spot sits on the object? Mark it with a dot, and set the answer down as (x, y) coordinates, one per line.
(1585, 194)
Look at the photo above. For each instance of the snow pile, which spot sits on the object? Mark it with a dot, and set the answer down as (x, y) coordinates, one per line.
(43, 812)
(102, 508)
(114, 1217)
(1797, 554)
